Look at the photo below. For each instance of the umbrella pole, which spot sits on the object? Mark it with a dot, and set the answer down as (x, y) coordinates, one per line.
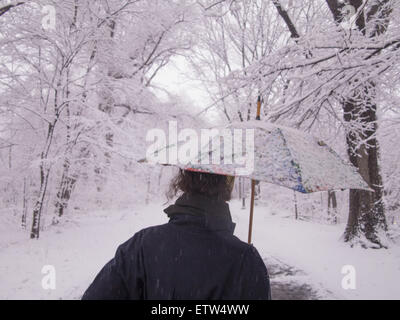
(253, 184)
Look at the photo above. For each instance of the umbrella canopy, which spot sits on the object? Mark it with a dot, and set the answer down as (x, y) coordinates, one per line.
(278, 155)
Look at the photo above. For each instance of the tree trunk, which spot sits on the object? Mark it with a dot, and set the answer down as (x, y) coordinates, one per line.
(332, 207)
(147, 201)
(366, 210)
(106, 106)
(159, 179)
(242, 194)
(65, 190)
(24, 207)
(44, 178)
(37, 209)
(67, 181)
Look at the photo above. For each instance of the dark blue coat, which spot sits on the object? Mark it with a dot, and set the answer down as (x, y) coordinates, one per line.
(193, 256)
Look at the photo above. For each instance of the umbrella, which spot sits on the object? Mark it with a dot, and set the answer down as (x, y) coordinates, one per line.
(283, 156)
(277, 155)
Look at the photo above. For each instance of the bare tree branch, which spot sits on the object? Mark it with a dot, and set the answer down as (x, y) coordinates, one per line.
(285, 16)
(7, 8)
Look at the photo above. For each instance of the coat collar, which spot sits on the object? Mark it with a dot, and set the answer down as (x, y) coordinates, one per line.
(202, 211)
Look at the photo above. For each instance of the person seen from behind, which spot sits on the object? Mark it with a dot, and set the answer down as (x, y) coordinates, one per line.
(193, 256)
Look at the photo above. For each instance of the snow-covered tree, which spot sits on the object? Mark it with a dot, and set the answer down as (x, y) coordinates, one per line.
(329, 65)
(77, 90)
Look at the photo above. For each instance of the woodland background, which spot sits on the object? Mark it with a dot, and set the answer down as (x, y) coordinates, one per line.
(80, 85)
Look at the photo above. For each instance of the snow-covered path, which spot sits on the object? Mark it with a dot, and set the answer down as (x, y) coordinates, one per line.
(77, 249)
(304, 259)
(289, 283)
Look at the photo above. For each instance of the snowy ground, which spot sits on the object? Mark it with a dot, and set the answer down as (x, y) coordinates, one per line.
(304, 259)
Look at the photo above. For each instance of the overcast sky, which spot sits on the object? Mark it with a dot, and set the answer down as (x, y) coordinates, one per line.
(178, 79)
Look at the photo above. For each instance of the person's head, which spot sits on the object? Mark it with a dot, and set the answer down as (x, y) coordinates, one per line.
(207, 184)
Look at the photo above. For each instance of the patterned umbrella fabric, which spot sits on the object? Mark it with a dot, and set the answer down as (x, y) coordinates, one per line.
(278, 155)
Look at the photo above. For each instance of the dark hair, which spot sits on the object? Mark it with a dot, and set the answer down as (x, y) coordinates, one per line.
(208, 184)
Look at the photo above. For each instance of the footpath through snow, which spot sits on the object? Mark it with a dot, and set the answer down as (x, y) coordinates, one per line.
(304, 259)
